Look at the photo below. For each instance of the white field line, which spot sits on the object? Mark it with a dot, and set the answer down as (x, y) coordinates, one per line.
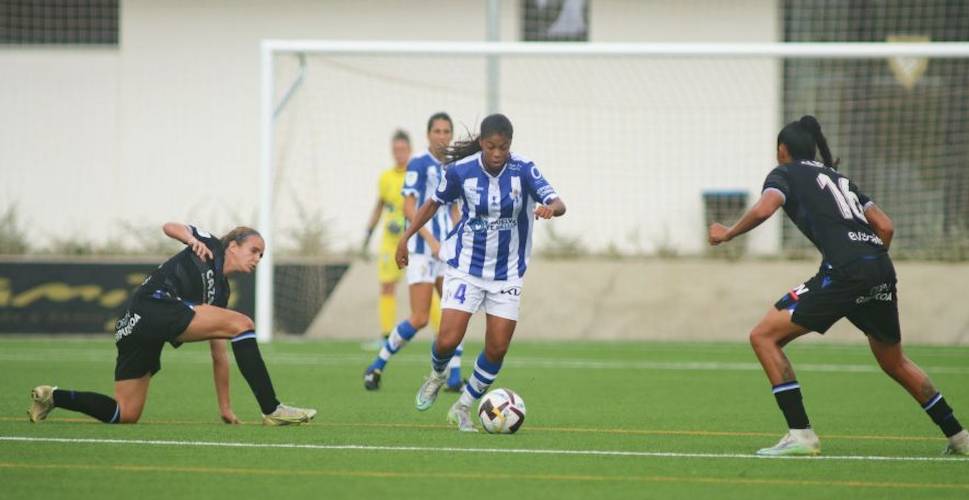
(451, 449)
(105, 356)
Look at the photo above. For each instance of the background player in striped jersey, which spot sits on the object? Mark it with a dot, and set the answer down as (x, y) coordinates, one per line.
(390, 206)
(856, 280)
(424, 172)
(487, 253)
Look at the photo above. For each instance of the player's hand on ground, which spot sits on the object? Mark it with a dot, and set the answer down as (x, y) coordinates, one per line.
(718, 234)
(543, 212)
(200, 249)
(401, 256)
(229, 417)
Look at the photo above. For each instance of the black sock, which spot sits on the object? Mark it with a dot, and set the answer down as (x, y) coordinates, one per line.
(254, 370)
(788, 397)
(942, 414)
(96, 405)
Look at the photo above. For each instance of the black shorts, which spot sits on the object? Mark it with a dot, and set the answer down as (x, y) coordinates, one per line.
(141, 333)
(863, 291)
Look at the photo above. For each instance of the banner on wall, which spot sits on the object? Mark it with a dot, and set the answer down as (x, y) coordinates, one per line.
(85, 297)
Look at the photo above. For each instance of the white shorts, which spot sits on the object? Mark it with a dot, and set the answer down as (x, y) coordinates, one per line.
(469, 294)
(424, 269)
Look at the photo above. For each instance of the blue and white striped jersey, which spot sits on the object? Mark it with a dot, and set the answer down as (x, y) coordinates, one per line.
(424, 173)
(493, 239)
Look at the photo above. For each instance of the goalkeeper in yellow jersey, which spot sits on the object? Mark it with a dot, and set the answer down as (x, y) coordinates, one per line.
(389, 207)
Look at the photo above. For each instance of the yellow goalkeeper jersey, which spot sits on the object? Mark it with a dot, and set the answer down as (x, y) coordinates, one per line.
(390, 184)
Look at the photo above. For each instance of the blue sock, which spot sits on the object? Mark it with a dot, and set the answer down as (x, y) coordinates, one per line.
(397, 339)
(439, 362)
(454, 367)
(484, 374)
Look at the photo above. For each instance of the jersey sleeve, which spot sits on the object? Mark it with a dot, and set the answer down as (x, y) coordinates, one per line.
(415, 177)
(449, 189)
(210, 241)
(202, 236)
(864, 199)
(382, 187)
(537, 186)
(778, 180)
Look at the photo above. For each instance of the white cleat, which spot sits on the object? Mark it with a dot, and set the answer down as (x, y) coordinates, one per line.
(796, 443)
(958, 444)
(289, 415)
(427, 394)
(460, 415)
(43, 402)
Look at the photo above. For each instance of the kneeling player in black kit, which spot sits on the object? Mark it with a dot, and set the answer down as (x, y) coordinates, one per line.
(183, 300)
(856, 280)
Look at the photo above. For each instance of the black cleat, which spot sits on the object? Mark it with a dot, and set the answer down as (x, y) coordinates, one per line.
(371, 379)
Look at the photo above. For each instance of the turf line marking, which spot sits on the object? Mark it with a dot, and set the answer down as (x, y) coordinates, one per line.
(81, 355)
(477, 476)
(451, 449)
(532, 428)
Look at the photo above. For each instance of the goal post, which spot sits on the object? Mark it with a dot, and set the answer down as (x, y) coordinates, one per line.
(649, 116)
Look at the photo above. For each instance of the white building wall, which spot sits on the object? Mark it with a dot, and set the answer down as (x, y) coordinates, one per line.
(166, 126)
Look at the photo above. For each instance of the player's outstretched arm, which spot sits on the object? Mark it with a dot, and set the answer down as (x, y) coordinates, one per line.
(417, 223)
(220, 373)
(555, 208)
(881, 223)
(768, 203)
(183, 233)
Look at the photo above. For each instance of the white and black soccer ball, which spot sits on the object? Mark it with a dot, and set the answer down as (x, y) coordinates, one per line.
(501, 411)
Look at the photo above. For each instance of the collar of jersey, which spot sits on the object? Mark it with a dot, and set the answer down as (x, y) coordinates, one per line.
(485, 169)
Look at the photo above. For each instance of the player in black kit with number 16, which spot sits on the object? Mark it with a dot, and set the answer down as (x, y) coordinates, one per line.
(856, 281)
(183, 300)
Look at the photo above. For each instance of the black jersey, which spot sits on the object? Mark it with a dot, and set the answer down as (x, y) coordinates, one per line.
(828, 208)
(187, 278)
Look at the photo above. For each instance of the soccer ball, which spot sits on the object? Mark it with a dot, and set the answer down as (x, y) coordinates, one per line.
(501, 411)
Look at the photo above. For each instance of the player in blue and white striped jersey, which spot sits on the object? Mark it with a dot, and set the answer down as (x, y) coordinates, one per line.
(424, 172)
(487, 253)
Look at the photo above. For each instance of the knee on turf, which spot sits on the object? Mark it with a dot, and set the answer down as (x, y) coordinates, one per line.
(129, 416)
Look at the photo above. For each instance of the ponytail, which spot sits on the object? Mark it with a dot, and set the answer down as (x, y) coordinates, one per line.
(462, 149)
(813, 127)
(804, 140)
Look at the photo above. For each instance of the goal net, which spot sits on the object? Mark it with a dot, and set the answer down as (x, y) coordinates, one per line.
(647, 144)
